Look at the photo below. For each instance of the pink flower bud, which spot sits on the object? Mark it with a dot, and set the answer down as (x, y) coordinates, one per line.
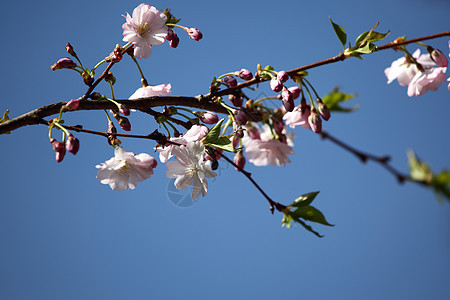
(63, 63)
(439, 58)
(237, 129)
(124, 123)
(289, 105)
(235, 100)
(295, 91)
(276, 85)
(252, 132)
(170, 34)
(175, 41)
(195, 34)
(244, 74)
(278, 126)
(282, 76)
(208, 117)
(315, 122)
(72, 144)
(124, 110)
(286, 95)
(73, 104)
(239, 160)
(241, 117)
(70, 50)
(235, 140)
(324, 110)
(59, 148)
(230, 81)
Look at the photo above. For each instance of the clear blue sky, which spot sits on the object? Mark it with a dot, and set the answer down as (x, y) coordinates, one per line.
(63, 235)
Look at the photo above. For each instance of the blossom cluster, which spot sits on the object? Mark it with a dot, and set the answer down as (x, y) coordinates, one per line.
(421, 73)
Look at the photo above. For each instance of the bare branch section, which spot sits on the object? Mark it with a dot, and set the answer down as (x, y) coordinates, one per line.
(35, 117)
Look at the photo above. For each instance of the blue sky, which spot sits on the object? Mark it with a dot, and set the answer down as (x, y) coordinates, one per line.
(63, 235)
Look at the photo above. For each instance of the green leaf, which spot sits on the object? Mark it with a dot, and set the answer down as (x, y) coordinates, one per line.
(305, 199)
(374, 36)
(419, 170)
(286, 221)
(441, 185)
(4, 119)
(307, 227)
(223, 143)
(213, 133)
(340, 32)
(170, 18)
(310, 213)
(335, 97)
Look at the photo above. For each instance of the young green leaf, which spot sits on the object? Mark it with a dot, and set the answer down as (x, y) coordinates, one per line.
(304, 200)
(310, 213)
(213, 133)
(335, 97)
(340, 32)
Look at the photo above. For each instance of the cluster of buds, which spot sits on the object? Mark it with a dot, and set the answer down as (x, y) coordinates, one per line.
(288, 95)
(316, 116)
(115, 56)
(172, 38)
(72, 145)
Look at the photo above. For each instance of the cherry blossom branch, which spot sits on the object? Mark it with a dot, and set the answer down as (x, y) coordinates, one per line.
(273, 204)
(201, 101)
(364, 157)
(334, 59)
(34, 117)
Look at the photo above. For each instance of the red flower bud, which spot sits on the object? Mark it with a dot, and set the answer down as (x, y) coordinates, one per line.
(195, 34)
(72, 144)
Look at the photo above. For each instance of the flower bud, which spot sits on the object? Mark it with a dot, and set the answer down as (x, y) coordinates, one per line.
(278, 126)
(124, 110)
(282, 76)
(170, 34)
(194, 34)
(70, 50)
(276, 85)
(286, 95)
(295, 91)
(239, 160)
(115, 56)
(174, 41)
(439, 58)
(235, 140)
(241, 117)
(59, 148)
(238, 131)
(87, 79)
(63, 63)
(112, 139)
(72, 104)
(124, 123)
(252, 132)
(315, 122)
(324, 110)
(289, 105)
(235, 100)
(230, 81)
(244, 74)
(207, 117)
(72, 144)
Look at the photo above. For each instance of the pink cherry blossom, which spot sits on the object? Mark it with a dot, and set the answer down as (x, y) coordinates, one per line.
(152, 90)
(266, 150)
(297, 117)
(402, 70)
(429, 80)
(196, 133)
(125, 169)
(191, 168)
(146, 28)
